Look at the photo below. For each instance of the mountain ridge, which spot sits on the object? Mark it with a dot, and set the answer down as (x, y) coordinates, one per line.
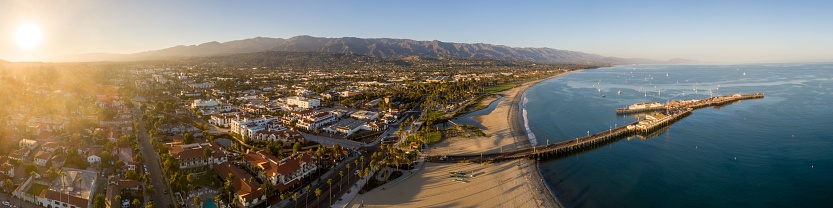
(387, 48)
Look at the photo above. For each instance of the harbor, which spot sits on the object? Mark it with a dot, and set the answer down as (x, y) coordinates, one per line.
(663, 116)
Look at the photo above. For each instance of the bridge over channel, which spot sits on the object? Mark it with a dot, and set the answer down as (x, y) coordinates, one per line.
(671, 114)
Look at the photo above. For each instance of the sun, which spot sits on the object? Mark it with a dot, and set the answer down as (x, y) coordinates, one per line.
(28, 36)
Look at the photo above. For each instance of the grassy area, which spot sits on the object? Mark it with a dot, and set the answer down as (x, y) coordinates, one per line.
(205, 181)
(429, 137)
(36, 189)
(475, 105)
(473, 129)
(434, 116)
(498, 88)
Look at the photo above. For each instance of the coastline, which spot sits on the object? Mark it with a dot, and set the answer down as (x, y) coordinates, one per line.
(520, 132)
(515, 183)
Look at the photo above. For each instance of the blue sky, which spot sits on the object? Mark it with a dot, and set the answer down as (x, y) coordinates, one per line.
(719, 31)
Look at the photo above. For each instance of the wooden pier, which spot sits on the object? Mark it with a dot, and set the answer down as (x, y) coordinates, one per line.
(646, 126)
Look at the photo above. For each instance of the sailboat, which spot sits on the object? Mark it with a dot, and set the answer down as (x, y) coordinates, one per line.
(619, 93)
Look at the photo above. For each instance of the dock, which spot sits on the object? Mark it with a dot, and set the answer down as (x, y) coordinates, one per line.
(695, 104)
(670, 113)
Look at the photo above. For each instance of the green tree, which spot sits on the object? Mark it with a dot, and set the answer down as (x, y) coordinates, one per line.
(149, 190)
(188, 138)
(99, 201)
(317, 193)
(197, 201)
(306, 198)
(330, 182)
(8, 184)
(116, 199)
(340, 173)
(296, 148)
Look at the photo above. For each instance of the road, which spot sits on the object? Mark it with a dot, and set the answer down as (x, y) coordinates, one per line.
(340, 185)
(331, 141)
(15, 201)
(153, 163)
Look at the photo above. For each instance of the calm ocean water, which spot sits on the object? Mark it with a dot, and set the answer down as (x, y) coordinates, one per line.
(771, 152)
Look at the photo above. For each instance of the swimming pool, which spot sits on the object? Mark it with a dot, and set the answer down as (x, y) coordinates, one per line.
(209, 204)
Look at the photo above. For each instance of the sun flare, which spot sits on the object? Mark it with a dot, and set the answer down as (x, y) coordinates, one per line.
(28, 36)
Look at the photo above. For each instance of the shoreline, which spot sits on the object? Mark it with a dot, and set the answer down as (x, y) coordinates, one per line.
(519, 131)
(517, 183)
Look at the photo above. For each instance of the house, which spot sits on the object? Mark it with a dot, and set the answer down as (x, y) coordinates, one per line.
(27, 143)
(283, 174)
(58, 160)
(94, 156)
(42, 157)
(6, 168)
(113, 135)
(284, 136)
(177, 128)
(194, 155)
(49, 146)
(225, 119)
(247, 127)
(20, 154)
(75, 188)
(375, 126)
(246, 193)
(315, 121)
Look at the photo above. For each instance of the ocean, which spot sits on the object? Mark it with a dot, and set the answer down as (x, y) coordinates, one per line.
(771, 152)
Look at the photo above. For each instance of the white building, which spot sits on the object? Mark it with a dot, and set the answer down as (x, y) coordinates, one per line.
(210, 106)
(303, 102)
(74, 189)
(31, 144)
(365, 115)
(247, 127)
(315, 120)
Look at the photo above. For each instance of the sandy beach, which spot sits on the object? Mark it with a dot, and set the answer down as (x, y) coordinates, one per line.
(505, 184)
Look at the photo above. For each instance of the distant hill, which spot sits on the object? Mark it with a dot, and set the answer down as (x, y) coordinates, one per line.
(385, 48)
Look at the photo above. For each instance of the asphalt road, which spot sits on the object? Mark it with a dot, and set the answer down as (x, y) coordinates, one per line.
(15, 201)
(340, 184)
(153, 163)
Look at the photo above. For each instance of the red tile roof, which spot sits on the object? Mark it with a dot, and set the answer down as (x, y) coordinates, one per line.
(245, 190)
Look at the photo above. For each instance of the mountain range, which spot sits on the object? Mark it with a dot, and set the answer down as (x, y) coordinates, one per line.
(385, 48)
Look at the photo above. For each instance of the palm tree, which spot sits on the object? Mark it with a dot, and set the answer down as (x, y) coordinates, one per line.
(348, 172)
(330, 182)
(362, 161)
(267, 188)
(317, 194)
(136, 202)
(341, 173)
(295, 198)
(116, 200)
(149, 190)
(306, 198)
(197, 201)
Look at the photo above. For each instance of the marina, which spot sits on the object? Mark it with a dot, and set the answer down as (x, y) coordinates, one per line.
(670, 112)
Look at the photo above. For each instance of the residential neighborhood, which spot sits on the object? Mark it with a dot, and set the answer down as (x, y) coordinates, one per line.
(158, 135)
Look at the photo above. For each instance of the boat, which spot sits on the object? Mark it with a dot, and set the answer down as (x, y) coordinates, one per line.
(603, 95)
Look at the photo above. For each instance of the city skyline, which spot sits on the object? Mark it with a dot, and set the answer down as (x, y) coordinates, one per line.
(710, 31)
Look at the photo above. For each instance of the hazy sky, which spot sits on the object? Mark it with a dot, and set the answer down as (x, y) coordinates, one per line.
(721, 31)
